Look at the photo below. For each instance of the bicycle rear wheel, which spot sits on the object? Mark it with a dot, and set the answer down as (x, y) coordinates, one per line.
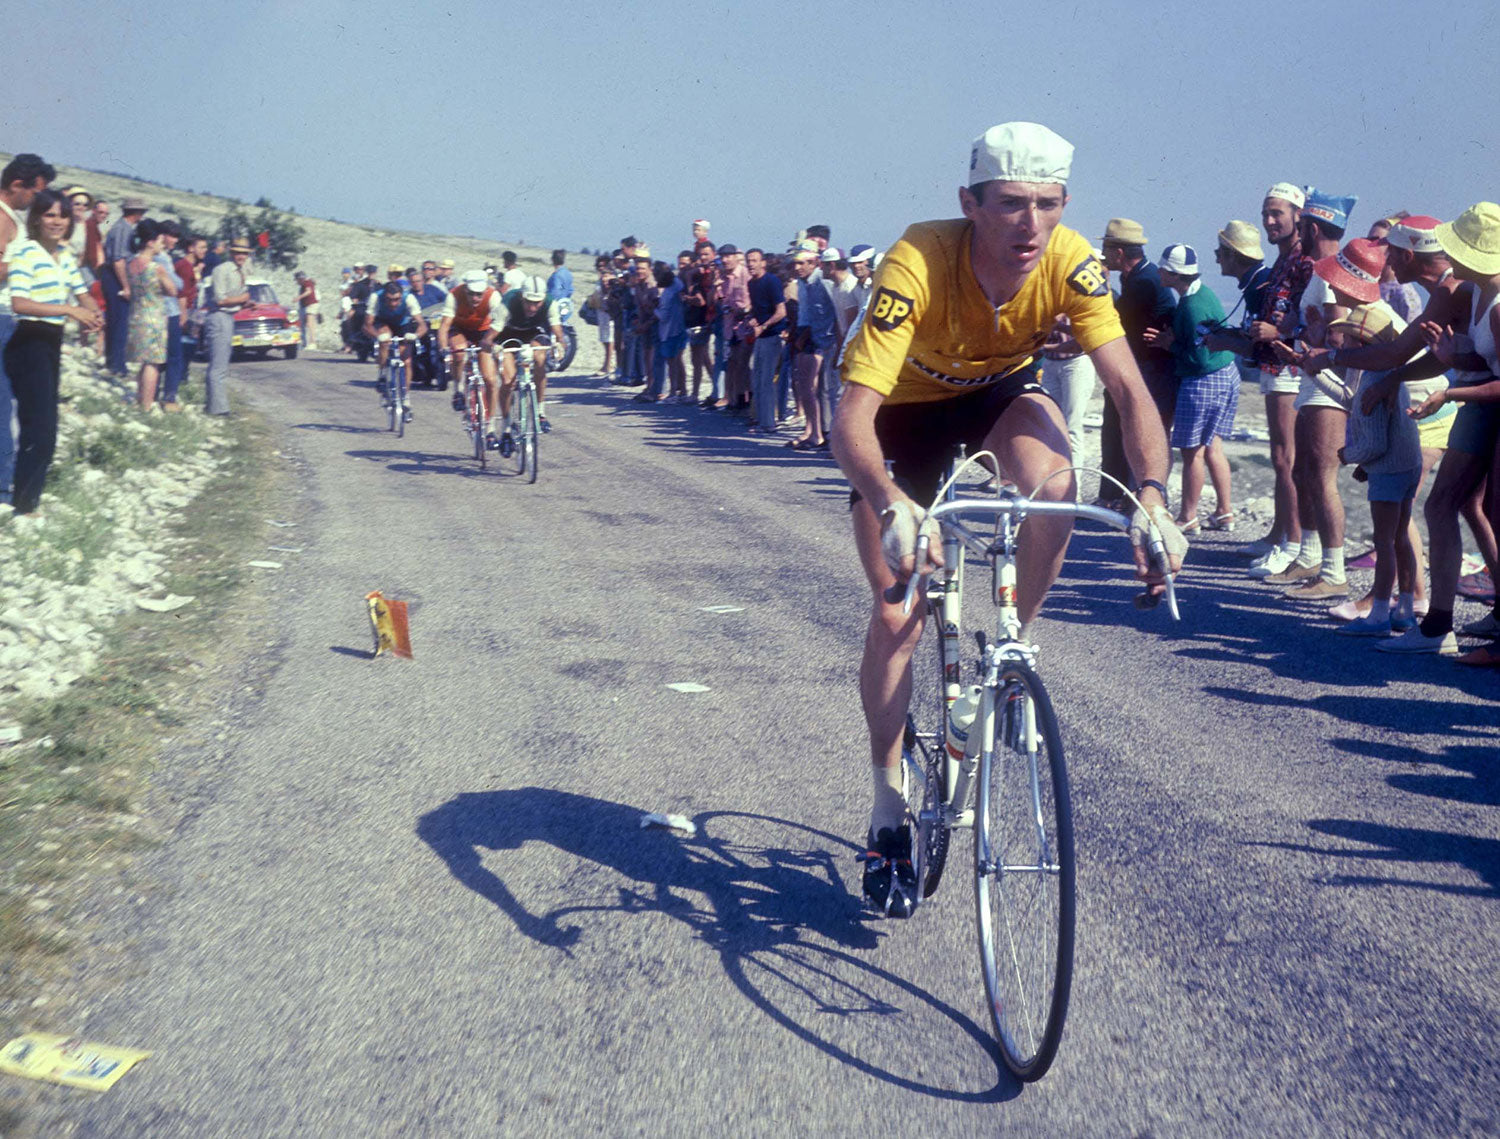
(1024, 874)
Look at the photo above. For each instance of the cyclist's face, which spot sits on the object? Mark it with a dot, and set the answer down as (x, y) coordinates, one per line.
(1014, 222)
(530, 307)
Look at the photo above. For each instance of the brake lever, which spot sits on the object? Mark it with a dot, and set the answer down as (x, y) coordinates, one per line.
(1158, 552)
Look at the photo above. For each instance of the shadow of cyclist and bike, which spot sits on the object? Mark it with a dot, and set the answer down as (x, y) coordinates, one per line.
(765, 894)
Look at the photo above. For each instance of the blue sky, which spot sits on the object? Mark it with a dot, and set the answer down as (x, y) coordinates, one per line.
(575, 123)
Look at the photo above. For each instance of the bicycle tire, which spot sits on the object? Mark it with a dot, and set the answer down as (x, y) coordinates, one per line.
(531, 440)
(522, 417)
(1024, 875)
(476, 426)
(398, 402)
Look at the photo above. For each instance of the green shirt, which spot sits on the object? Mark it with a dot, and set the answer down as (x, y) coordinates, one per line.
(1196, 308)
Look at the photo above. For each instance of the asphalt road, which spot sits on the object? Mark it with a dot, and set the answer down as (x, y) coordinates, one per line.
(413, 898)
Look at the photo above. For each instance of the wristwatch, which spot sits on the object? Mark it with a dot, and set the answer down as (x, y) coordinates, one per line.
(1155, 486)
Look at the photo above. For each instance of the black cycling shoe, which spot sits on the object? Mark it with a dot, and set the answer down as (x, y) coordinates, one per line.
(458, 400)
(507, 445)
(890, 879)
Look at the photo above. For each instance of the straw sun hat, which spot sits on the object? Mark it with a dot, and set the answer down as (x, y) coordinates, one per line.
(1473, 238)
(1243, 238)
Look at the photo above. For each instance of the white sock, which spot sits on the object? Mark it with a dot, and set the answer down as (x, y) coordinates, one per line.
(889, 811)
(1380, 609)
(489, 425)
(1311, 551)
(1288, 547)
(1333, 564)
(541, 407)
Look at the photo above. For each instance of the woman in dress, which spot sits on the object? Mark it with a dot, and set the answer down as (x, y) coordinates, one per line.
(146, 340)
(46, 289)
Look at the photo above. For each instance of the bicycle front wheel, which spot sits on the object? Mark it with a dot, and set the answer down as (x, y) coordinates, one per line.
(398, 400)
(476, 426)
(523, 411)
(530, 441)
(1024, 874)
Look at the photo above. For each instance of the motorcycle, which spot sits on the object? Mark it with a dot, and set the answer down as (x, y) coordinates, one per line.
(561, 355)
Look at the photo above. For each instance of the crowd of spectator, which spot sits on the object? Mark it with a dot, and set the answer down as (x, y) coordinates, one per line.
(761, 335)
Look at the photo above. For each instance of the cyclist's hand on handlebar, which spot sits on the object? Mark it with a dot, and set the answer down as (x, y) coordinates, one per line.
(900, 525)
(1172, 545)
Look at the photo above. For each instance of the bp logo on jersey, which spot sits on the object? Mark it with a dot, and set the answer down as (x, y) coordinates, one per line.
(889, 309)
(1088, 278)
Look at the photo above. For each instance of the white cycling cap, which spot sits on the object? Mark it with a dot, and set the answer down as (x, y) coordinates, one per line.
(476, 280)
(533, 289)
(1020, 152)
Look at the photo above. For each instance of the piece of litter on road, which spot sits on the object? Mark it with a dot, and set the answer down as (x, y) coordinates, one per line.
(722, 608)
(11, 734)
(392, 630)
(689, 686)
(162, 604)
(264, 565)
(283, 525)
(670, 822)
(286, 549)
(67, 1060)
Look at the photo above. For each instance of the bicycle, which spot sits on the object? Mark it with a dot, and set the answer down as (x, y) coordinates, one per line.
(999, 738)
(475, 412)
(524, 411)
(394, 388)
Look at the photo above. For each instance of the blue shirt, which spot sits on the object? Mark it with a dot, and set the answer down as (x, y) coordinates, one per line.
(815, 313)
(766, 294)
(671, 317)
(560, 284)
(431, 294)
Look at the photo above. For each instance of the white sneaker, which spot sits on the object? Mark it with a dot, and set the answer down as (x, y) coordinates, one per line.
(1277, 561)
(1256, 549)
(1412, 641)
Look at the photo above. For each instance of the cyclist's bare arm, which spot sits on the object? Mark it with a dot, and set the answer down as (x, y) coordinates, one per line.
(444, 326)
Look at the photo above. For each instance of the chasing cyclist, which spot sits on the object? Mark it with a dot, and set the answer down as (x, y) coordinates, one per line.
(393, 312)
(945, 354)
(470, 314)
(528, 315)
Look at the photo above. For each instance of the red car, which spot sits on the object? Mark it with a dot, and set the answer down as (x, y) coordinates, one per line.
(263, 324)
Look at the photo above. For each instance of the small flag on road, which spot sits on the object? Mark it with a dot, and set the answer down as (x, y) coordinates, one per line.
(67, 1060)
(392, 634)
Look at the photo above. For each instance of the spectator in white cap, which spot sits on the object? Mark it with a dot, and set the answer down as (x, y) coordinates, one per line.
(930, 367)
(1280, 214)
(700, 230)
(862, 265)
(1208, 388)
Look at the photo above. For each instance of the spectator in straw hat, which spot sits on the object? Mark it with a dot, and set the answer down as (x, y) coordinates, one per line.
(1241, 258)
(231, 292)
(1208, 387)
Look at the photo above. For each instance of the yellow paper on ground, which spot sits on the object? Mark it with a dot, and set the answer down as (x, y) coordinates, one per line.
(392, 633)
(67, 1060)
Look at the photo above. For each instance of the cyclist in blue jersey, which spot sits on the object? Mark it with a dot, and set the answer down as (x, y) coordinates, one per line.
(393, 312)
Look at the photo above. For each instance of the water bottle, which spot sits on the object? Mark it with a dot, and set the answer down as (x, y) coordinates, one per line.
(960, 720)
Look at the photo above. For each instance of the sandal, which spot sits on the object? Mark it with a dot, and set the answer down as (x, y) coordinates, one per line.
(800, 445)
(1189, 525)
(1223, 522)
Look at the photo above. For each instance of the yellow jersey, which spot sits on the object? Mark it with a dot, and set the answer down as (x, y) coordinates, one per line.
(930, 333)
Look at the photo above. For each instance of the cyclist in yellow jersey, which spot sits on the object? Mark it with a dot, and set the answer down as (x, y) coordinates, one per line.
(945, 354)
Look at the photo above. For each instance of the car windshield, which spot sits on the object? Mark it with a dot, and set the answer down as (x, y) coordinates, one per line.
(262, 295)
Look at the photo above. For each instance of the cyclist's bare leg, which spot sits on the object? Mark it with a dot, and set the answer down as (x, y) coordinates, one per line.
(383, 342)
(1031, 442)
(487, 373)
(457, 342)
(507, 383)
(884, 671)
(539, 374)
